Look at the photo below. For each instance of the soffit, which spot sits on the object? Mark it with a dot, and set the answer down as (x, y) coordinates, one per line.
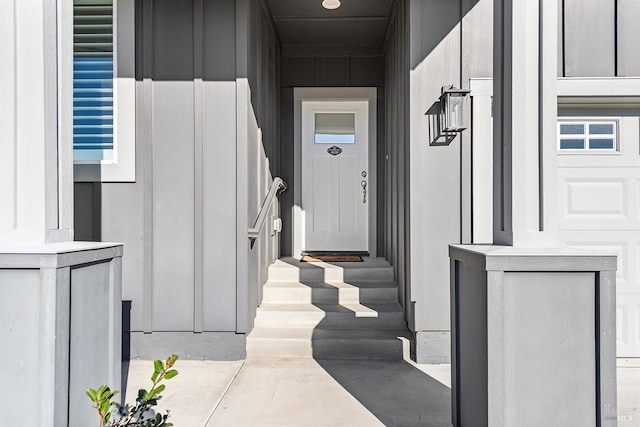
(305, 23)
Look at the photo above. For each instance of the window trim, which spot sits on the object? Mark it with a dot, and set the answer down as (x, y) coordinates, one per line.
(122, 166)
(586, 121)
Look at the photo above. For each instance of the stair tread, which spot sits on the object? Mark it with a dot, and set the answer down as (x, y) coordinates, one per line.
(331, 308)
(367, 262)
(330, 285)
(326, 333)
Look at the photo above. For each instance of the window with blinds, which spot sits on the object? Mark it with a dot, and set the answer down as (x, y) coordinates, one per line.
(93, 80)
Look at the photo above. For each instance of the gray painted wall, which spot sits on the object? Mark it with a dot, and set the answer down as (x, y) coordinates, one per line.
(448, 43)
(396, 236)
(599, 38)
(507, 305)
(259, 130)
(87, 198)
(61, 331)
(197, 168)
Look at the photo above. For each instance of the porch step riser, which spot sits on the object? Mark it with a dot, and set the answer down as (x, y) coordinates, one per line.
(329, 296)
(283, 319)
(353, 349)
(329, 311)
(315, 275)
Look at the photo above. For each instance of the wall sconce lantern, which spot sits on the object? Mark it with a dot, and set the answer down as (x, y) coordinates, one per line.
(447, 116)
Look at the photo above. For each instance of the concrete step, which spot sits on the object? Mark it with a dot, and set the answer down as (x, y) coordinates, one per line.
(347, 316)
(330, 293)
(324, 343)
(292, 270)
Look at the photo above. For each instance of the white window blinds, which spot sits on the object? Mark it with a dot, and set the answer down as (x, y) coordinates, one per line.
(92, 79)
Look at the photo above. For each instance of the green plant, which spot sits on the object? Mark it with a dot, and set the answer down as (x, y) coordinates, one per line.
(112, 414)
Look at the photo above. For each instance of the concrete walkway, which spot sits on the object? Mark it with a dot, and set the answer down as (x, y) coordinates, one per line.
(306, 392)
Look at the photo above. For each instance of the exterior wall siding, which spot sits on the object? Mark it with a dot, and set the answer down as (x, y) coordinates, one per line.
(434, 60)
(448, 45)
(179, 220)
(598, 38)
(396, 154)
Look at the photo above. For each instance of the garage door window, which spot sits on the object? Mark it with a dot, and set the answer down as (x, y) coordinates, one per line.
(587, 135)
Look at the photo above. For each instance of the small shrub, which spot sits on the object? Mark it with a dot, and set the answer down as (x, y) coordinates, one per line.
(112, 414)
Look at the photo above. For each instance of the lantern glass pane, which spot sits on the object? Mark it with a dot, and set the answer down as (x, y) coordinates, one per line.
(455, 112)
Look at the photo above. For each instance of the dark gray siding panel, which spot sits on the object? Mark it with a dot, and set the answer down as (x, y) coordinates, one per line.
(396, 152)
(298, 72)
(334, 71)
(628, 38)
(173, 40)
(86, 211)
(286, 169)
(589, 38)
(366, 71)
(219, 40)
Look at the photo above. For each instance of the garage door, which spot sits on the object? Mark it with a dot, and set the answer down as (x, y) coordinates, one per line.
(599, 191)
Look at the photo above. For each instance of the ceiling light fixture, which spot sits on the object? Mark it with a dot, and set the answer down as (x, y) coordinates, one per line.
(331, 4)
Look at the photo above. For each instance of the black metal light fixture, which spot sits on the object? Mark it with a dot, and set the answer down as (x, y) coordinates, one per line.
(448, 115)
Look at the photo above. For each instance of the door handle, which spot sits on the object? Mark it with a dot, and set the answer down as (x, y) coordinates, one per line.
(364, 191)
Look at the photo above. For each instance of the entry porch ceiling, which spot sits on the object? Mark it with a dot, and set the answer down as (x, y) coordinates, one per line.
(306, 28)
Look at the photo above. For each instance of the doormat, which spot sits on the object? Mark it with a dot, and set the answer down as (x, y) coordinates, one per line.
(331, 258)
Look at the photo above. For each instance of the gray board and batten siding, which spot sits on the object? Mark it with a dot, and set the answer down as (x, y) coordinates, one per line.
(598, 38)
(199, 179)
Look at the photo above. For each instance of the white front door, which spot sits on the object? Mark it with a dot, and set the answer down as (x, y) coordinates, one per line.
(335, 175)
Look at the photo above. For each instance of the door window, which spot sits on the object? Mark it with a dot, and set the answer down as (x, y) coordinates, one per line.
(335, 128)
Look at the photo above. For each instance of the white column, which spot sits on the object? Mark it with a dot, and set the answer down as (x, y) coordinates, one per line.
(36, 175)
(525, 110)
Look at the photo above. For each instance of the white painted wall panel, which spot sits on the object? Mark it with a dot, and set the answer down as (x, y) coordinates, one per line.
(219, 213)
(89, 314)
(628, 38)
(434, 170)
(123, 221)
(20, 344)
(530, 320)
(173, 205)
(589, 38)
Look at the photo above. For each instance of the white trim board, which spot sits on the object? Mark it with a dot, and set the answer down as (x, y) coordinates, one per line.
(599, 90)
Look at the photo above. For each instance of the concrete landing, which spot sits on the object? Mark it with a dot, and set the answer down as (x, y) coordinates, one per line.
(305, 392)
